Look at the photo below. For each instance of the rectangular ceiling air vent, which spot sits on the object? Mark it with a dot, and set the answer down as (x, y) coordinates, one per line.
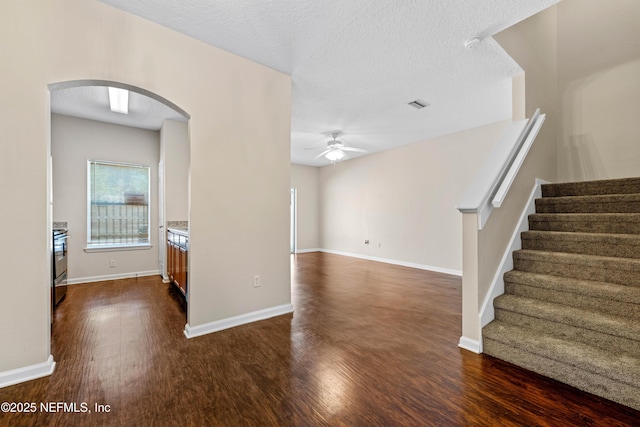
(418, 103)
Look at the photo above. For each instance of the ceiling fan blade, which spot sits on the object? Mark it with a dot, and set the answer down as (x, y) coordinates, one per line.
(314, 148)
(359, 150)
(322, 154)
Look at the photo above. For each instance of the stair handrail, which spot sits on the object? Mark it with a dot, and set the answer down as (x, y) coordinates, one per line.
(490, 186)
(529, 135)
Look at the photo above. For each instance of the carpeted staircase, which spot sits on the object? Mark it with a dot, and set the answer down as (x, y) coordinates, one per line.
(571, 308)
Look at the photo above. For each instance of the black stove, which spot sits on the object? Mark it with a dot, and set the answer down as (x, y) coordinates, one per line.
(59, 282)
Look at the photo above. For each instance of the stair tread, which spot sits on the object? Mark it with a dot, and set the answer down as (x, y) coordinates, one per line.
(588, 216)
(607, 186)
(615, 223)
(623, 271)
(572, 316)
(621, 367)
(534, 254)
(615, 238)
(590, 197)
(601, 203)
(613, 291)
(601, 244)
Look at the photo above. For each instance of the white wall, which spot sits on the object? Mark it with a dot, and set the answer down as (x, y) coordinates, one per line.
(240, 155)
(404, 200)
(174, 149)
(306, 180)
(598, 69)
(73, 142)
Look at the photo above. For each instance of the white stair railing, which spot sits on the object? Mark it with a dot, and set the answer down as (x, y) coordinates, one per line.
(492, 183)
(482, 251)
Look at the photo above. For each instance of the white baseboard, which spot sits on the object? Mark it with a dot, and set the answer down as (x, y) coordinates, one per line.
(133, 275)
(395, 262)
(230, 322)
(487, 313)
(27, 373)
(471, 345)
(306, 251)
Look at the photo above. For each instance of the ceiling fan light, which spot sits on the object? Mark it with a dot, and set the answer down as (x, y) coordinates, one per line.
(334, 155)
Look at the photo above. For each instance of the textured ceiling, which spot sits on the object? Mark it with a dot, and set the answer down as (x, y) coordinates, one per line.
(356, 64)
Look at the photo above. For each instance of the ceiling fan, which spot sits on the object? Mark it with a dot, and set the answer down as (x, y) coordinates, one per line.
(335, 150)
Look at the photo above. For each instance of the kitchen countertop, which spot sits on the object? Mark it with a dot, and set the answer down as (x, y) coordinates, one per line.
(179, 236)
(183, 231)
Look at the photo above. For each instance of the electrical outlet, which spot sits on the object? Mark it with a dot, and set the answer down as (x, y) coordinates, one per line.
(256, 281)
(112, 263)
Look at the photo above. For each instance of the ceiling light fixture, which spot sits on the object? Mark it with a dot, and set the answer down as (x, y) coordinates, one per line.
(334, 155)
(335, 150)
(119, 100)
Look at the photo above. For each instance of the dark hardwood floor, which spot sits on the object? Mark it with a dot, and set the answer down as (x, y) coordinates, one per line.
(369, 344)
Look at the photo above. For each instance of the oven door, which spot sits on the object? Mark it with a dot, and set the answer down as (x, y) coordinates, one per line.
(59, 288)
(59, 255)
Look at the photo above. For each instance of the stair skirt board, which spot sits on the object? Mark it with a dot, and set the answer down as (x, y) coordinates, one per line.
(487, 312)
(569, 304)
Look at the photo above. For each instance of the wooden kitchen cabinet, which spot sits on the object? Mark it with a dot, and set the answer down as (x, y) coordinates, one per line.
(177, 258)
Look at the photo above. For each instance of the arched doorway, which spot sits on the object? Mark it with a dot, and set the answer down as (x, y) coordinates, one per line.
(85, 135)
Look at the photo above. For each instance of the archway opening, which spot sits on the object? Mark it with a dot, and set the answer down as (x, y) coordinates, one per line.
(152, 137)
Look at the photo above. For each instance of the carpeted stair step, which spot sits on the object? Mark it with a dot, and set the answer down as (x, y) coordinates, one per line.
(623, 271)
(590, 188)
(601, 244)
(571, 308)
(608, 203)
(614, 223)
(605, 331)
(619, 300)
(608, 374)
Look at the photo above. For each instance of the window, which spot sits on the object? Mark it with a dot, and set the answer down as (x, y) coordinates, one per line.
(118, 204)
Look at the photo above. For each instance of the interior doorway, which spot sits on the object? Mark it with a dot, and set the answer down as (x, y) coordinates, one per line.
(85, 129)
